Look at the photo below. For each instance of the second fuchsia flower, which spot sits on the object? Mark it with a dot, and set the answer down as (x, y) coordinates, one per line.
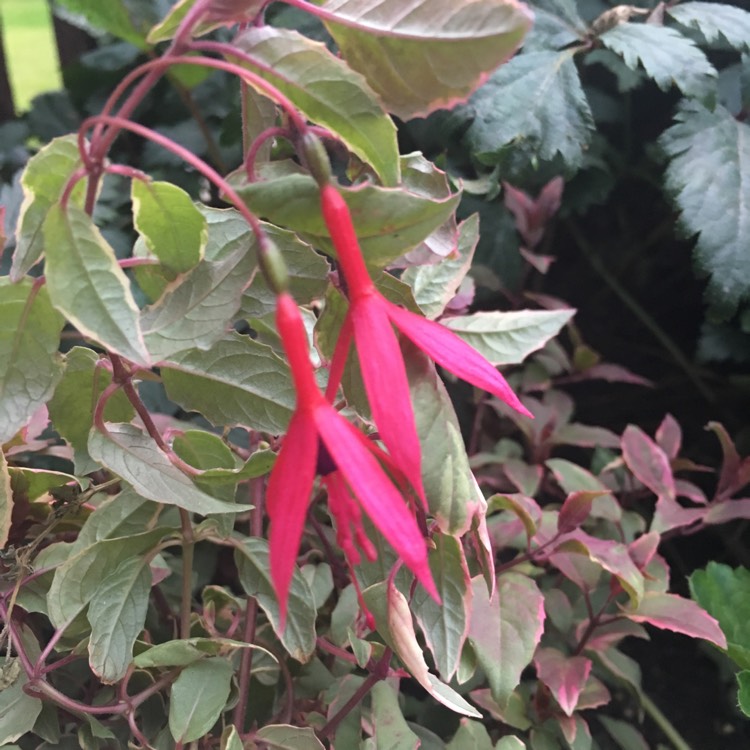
(371, 320)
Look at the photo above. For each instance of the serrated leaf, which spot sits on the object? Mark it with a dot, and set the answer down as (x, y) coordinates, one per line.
(390, 729)
(87, 285)
(6, 501)
(76, 581)
(327, 91)
(117, 615)
(133, 455)
(715, 21)
(29, 364)
(285, 737)
(435, 285)
(423, 55)
(253, 567)
(565, 676)
(706, 179)
(198, 697)
(18, 709)
(388, 221)
(236, 382)
(445, 625)
(505, 630)
(507, 338)
(668, 57)
(114, 17)
(195, 311)
(43, 181)
(175, 231)
(534, 103)
(71, 409)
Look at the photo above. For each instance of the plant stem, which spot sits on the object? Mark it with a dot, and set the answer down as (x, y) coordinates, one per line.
(666, 726)
(188, 553)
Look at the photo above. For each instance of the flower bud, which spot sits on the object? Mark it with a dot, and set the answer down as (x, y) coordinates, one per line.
(315, 157)
(273, 266)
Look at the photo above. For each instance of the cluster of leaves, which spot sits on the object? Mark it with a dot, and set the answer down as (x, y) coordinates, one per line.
(139, 607)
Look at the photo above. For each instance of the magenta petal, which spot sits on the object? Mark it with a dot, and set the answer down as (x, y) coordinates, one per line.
(287, 500)
(387, 386)
(454, 354)
(375, 492)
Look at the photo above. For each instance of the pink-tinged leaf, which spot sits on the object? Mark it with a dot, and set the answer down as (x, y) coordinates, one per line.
(525, 508)
(672, 612)
(541, 263)
(644, 548)
(611, 374)
(514, 714)
(610, 634)
(526, 477)
(586, 436)
(564, 675)
(387, 386)
(573, 478)
(377, 495)
(287, 500)
(572, 560)
(690, 491)
(735, 472)
(575, 510)
(36, 425)
(648, 462)
(455, 355)
(669, 436)
(505, 630)
(576, 731)
(669, 514)
(729, 510)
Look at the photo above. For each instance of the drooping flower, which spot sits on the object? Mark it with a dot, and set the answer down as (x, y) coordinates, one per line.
(370, 321)
(316, 427)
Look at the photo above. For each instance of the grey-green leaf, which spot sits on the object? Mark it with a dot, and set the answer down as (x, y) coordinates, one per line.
(87, 285)
(236, 382)
(132, 454)
(18, 710)
(117, 615)
(715, 21)
(286, 737)
(327, 91)
(388, 722)
(6, 501)
(534, 103)
(707, 180)
(198, 698)
(29, 364)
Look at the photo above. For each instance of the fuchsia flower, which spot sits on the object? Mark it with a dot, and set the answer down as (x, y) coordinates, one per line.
(318, 430)
(370, 320)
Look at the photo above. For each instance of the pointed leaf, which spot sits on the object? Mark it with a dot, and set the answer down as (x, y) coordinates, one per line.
(327, 91)
(285, 737)
(389, 725)
(505, 630)
(648, 462)
(565, 676)
(425, 54)
(116, 17)
(669, 436)
(198, 698)
(174, 229)
(43, 182)
(88, 287)
(471, 735)
(507, 338)
(132, 454)
(710, 156)
(623, 733)
(183, 652)
(715, 21)
(117, 615)
(236, 382)
(29, 364)
(575, 510)
(535, 104)
(668, 57)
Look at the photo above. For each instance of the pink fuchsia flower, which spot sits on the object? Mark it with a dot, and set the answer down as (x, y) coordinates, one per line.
(316, 431)
(370, 320)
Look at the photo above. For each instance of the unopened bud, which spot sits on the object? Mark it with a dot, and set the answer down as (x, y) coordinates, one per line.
(273, 266)
(315, 157)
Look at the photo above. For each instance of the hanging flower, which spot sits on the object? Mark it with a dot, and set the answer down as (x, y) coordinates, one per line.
(370, 320)
(316, 431)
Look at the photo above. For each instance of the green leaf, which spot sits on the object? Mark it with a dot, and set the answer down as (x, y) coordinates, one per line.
(505, 630)
(507, 338)
(184, 652)
(706, 179)
(18, 710)
(29, 363)
(72, 406)
(667, 57)
(236, 382)
(534, 105)
(510, 743)
(6, 501)
(115, 17)
(430, 54)
(471, 735)
(230, 739)
(253, 567)
(327, 91)
(174, 229)
(715, 21)
(285, 737)
(198, 698)
(389, 725)
(435, 285)
(87, 285)
(196, 310)
(445, 625)
(743, 691)
(117, 615)
(724, 592)
(623, 733)
(388, 221)
(133, 455)
(78, 578)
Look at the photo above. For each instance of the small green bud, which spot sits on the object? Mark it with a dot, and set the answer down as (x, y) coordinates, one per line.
(315, 157)
(273, 266)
